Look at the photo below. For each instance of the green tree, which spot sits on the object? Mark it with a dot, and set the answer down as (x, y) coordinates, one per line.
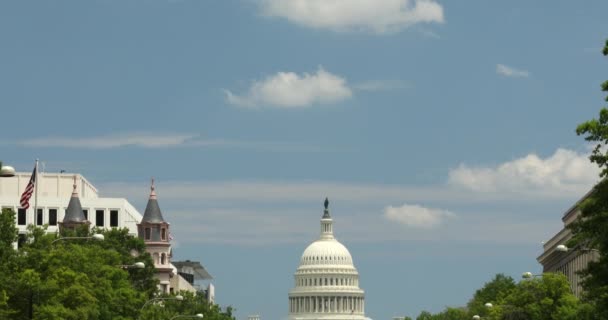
(80, 279)
(8, 265)
(451, 313)
(589, 230)
(192, 304)
(546, 298)
(495, 290)
(424, 315)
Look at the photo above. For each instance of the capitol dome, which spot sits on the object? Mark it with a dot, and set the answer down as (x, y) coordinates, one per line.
(326, 252)
(326, 281)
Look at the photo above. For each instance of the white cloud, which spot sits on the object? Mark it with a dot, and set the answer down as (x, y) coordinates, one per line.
(511, 72)
(144, 140)
(290, 90)
(417, 216)
(378, 16)
(294, 192)
(564, 172)
(381, 85)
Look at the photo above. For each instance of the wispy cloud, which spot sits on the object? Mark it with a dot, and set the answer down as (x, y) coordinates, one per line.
(171, 140)
(382, 85)
(507, 71)
(268, 212)
(564, 172)
(429, 33)
(417, 216)
(376, 16)
(144, 140)
(290, 90)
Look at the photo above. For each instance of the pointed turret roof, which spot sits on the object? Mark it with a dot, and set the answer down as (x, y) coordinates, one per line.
(152, 213)
(74, 212)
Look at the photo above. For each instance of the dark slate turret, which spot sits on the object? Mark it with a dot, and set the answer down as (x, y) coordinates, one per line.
(153, 226)
(74, 216)
(74, 213)
(152, 213)
(154, 231)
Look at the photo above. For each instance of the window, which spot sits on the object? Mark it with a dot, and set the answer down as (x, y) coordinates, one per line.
(147, 236)
(86, 214)
(21, 216)
(163, 234)
(52, 217)
(162, 258)
(39, 217)
(21, 240)
(113, 218)
(99, 218)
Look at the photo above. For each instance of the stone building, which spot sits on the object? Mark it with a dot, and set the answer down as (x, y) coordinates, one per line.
(569, 262)
(154, 230)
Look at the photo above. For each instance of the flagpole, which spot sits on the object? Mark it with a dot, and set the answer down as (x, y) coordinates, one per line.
(36, 192)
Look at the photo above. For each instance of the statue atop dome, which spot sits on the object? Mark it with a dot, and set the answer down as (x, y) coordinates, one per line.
(326, 211)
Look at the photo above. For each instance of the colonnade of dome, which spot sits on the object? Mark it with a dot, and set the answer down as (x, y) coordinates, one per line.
(327, 304)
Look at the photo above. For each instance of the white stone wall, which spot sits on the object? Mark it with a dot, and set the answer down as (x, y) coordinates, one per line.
(54, 191)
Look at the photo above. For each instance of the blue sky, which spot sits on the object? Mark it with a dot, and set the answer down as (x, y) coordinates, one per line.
(441, 131)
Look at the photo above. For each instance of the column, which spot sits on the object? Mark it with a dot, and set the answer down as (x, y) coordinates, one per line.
(322, 304)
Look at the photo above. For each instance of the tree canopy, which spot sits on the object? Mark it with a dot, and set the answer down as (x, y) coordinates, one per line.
(76, 279)
(547, 297)
(589, 230)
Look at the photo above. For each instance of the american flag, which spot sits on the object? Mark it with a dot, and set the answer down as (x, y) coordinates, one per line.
(29, 189)
(170, 237)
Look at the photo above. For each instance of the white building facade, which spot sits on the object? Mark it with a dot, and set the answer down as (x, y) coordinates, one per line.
(326, 281)
(49, 203)
(53, 195)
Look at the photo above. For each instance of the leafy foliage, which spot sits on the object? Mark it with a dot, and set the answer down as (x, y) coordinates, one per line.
(192, 304)
(545, 298)
(589, 230)
(83, 279)
(495, 290)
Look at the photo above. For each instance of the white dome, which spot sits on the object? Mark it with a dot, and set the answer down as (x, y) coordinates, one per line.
(326, 252)
(326, 283)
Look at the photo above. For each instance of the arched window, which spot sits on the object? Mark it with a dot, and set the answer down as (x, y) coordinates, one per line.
(147, 234)
(155, 258)
(163, 257)
(163, 234)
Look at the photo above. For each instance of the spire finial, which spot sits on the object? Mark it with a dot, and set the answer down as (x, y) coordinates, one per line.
(74, 192)
(152, 189)
(326, 203)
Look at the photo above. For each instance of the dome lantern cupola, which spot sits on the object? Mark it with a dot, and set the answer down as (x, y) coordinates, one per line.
(327, 231)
